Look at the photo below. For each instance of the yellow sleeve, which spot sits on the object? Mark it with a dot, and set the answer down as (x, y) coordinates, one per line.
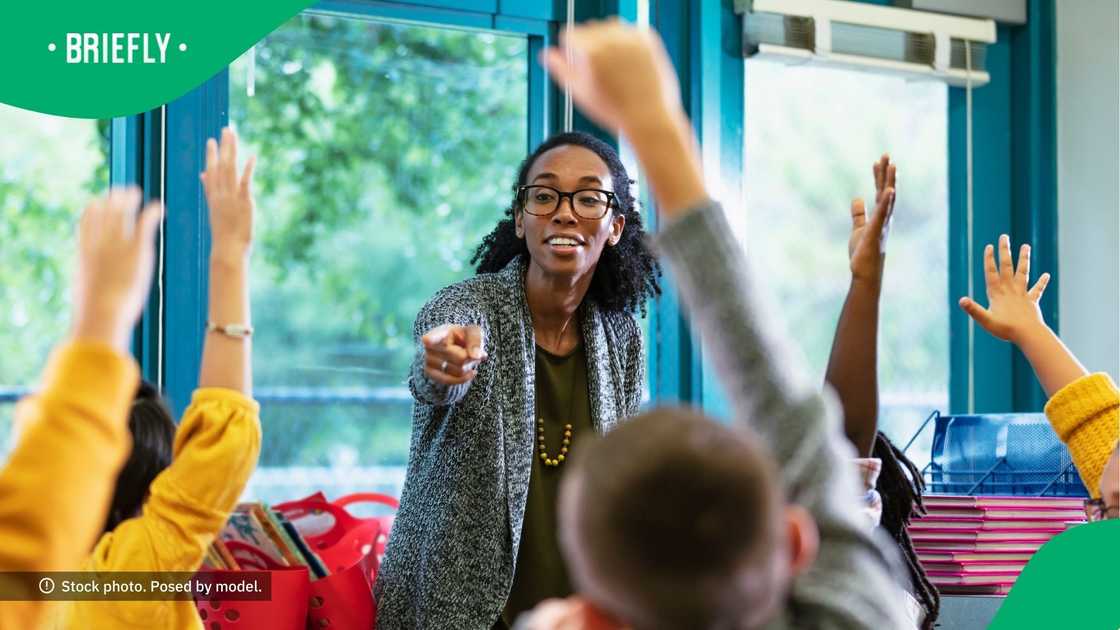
(57, 484)
(1086, 416)
(215, 452)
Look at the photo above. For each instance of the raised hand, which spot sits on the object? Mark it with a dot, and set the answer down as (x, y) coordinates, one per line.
(868, 241)
(452, 353)
(116, 254)
(229, 196)
(1012, 308)
(619, 75)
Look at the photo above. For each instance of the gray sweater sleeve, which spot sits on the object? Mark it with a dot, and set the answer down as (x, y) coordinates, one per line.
(850, 584)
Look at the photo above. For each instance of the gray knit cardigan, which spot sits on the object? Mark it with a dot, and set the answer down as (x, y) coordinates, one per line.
(450, 559)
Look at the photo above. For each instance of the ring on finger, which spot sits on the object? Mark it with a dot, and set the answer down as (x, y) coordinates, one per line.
(443, 366)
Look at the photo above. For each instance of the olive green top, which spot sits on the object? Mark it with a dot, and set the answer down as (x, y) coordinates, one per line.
(561, 399)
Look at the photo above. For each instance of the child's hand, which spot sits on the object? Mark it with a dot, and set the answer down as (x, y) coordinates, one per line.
(1012, 309)
(868, 242)
(230, 198)
(116, 254)
(619, 75)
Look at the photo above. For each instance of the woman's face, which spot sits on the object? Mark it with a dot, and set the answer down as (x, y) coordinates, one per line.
(563, 242)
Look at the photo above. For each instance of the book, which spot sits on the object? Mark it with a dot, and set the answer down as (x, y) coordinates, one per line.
(288, 550)
(1008, 546)
(243, 526)
(943, 555)
(293, 537)
(997, 512)
(939, 578)
(932, 501)
(994, 535)
(953, 522)
(979, 567)
(223, 552)
(974, 589)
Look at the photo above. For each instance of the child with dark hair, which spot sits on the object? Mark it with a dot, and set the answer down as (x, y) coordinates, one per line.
(58, 479)
(152, 430)
(755, 525)
(892, 484)
(179, 486)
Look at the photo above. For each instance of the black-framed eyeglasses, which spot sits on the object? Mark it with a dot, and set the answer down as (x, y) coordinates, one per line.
(587, 203)
(1097, 510)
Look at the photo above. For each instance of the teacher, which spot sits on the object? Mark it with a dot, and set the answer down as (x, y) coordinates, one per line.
(516, 367)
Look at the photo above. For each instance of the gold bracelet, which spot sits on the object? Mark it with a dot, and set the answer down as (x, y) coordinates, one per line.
(239, 331)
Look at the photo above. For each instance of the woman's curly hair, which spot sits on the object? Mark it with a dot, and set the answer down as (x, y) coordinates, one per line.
(627, 273)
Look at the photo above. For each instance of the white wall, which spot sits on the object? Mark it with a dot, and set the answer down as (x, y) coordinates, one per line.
(1089, 181)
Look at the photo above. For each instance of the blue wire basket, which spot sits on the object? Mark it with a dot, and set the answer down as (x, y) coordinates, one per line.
(998, 454)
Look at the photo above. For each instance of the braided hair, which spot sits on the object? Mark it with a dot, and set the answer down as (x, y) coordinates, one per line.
(627, 273)
(900, 484)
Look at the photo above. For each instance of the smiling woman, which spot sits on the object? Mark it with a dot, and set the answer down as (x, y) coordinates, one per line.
(515, 367)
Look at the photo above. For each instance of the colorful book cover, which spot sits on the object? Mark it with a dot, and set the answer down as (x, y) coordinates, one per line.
(243, 526)
(316, 564)
(290, 552)
(223, 552)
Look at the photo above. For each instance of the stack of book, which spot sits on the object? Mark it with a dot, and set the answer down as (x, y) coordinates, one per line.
(979, 545)
(262, 531)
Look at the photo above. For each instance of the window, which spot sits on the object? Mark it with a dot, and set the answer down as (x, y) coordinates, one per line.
(386, 152)
(49, 167)
(812, 135)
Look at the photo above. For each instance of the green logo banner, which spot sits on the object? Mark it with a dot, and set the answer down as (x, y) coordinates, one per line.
(1071, 582)
(104, 59)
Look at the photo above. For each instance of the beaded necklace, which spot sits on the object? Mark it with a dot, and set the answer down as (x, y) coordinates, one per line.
(566, 443)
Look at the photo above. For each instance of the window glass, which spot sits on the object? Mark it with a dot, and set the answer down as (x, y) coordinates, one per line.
(812, 135)
(49, 168)
(386, 152)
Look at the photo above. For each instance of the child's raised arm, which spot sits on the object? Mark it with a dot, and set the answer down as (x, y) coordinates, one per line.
(57, 483)
(227, 351)
(853, 363)
(1083, 408)
(218, 440)
(621, 77)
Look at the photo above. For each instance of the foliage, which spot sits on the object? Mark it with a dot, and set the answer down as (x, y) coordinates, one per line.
(385, 152)
(38, 209)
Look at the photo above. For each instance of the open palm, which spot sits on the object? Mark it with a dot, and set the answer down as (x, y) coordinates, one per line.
(868, 241)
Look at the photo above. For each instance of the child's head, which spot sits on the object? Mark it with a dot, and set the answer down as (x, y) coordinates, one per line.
(153, 433)
(676, 521)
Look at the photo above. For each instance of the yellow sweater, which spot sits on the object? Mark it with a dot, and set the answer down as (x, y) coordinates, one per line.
(216, 448)
(1086, 416)
(57, 484)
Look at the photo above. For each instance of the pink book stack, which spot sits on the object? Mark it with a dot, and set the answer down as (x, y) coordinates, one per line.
(979, 545)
